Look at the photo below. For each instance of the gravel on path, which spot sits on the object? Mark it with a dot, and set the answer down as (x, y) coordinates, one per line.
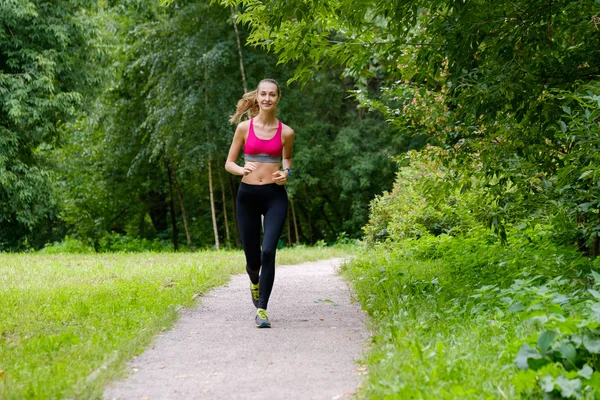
(215, 351)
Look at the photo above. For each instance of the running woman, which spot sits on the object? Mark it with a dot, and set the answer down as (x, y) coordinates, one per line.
(267, 145)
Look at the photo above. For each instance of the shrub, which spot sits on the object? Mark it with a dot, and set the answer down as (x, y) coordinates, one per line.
(109, 243)
(416, 207)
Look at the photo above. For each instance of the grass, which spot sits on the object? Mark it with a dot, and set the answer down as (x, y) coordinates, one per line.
(68, 323)
(434, 338)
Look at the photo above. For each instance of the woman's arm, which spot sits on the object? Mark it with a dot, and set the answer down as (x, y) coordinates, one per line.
(239, 138)
(280, 177)
(288, 145)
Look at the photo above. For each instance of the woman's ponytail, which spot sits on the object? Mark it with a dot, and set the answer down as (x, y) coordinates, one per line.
(246, 103)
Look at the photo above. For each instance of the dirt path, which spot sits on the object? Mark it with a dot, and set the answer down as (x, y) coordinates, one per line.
(215, 351)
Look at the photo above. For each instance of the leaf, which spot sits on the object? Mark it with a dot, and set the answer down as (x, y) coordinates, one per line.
(568, 352)
(563, 126)
(591, 342)
(596, 276)
(526, 353)
(568, 387)
(547, 383)
(516, 307)
(326, 301)
(594, 293)
(586, 372)
(585, 174)
(545, 341)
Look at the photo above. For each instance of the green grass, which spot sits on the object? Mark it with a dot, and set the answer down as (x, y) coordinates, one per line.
(433, 338)
(68, 323)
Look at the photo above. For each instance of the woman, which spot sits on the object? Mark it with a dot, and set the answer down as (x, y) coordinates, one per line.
(267, 145)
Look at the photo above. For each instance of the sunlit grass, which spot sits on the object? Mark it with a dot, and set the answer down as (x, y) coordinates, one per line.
(431, 341)
(68, 323)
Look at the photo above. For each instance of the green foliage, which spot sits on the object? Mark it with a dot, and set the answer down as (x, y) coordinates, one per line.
(514, 84)
(565, 353)
(109, 243)
(415, 207)
(443, 304)
(46, 53)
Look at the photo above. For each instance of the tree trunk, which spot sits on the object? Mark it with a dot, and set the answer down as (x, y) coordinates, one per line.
(227, 236)
(295, 223)
(212, 205)
(172, 206)
(183, 213)
(239, 46)
(289, 229)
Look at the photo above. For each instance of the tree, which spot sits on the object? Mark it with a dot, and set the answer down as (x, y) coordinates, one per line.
(510, 89)
(46, 53)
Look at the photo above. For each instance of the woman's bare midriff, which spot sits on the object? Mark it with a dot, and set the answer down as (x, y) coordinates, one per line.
(262, 175)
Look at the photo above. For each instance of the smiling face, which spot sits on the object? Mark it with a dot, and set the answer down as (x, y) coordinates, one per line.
(267, 96)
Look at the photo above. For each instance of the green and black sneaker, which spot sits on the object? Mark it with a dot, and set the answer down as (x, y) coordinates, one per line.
(255, 292)
(262, 321)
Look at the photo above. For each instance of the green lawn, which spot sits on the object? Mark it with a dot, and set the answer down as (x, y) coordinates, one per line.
(68, 323)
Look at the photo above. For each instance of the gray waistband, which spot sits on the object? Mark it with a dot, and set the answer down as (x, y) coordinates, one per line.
(261, 158)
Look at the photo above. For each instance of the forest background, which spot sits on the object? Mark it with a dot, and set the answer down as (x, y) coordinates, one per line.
(481, 241)
(115, 130)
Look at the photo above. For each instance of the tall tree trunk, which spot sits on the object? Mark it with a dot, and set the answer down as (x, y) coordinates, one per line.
(172, 206)
(233, 206)
(289, 229)
(295, 223)
(210, 182)
(239, 46)
(212, 205)
(227, 236)
(183, 213)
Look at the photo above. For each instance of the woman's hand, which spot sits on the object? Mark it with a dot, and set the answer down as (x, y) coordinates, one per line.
(248, 168)
(280, 177)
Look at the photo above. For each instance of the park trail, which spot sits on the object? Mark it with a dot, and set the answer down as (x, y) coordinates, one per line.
(215, 351)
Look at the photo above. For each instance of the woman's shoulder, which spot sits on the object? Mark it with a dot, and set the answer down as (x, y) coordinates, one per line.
(286, 130)
(243, 126)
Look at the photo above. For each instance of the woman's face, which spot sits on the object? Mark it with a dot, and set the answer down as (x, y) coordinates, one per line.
(267, 96)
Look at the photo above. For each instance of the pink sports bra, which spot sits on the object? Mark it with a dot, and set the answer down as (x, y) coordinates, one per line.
(260, 150)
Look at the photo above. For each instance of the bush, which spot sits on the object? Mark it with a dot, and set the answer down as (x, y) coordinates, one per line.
(68, 245)
(415, 207)
(110, 243)
(443, 304)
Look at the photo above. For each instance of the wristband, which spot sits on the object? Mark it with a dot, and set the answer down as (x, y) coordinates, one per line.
(289, 171)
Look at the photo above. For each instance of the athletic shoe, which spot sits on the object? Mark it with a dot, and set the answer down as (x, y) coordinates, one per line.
(262, 321)
(254, 291)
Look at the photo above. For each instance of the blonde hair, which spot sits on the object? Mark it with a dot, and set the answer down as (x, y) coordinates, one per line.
(248, 103)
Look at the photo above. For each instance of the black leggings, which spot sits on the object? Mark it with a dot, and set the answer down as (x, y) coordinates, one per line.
(252, 202)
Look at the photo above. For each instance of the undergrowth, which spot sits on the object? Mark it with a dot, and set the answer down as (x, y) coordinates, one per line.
(466, 317)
